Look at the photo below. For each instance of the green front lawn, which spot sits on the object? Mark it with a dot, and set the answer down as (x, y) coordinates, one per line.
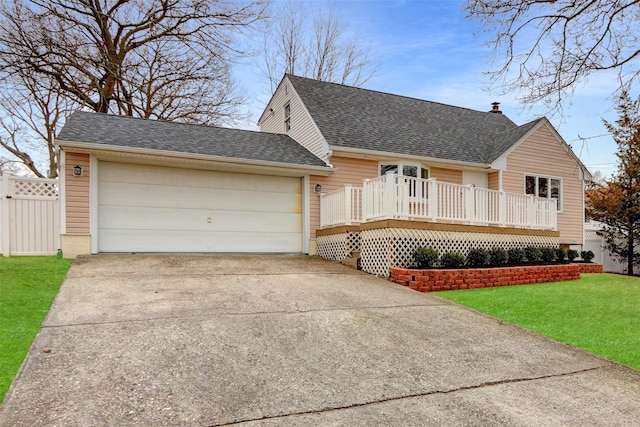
(599, 313)
(27, 288)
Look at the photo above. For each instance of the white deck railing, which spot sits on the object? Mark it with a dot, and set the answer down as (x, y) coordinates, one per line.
(342, 206)
(400, 197)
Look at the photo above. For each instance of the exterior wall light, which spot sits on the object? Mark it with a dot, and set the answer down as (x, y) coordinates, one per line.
(77, 170)
(318, 188)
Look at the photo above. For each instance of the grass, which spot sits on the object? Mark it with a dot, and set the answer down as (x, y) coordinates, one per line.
(28, 286)
(599, 313)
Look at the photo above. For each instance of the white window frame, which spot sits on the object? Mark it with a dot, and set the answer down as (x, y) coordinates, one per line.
(560, 199)
(287, 117)
(414, 194)
(401, 164)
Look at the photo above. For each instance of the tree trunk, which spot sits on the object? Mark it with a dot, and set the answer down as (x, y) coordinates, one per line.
(630, 253)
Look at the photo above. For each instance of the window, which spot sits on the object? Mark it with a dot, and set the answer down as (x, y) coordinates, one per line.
(287, 117)
(408, 169)
(543, 186)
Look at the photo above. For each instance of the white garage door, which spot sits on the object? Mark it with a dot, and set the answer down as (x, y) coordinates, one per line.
(145, 208)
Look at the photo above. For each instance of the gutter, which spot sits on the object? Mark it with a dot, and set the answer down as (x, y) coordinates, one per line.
(316, 170)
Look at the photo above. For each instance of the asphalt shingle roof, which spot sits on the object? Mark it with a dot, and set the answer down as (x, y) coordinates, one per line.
(370, 120)
(122, 131)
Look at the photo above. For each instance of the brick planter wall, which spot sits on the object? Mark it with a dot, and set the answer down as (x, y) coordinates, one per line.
(469, 278)
(589, 267)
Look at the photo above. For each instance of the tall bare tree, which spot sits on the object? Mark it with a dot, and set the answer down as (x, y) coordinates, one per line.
(545, 48)
(314, 43)
(168, 59)
(31, 112)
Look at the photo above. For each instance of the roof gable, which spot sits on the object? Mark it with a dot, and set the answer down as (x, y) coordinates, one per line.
(351, 117)
(156, 135)
(520, 134)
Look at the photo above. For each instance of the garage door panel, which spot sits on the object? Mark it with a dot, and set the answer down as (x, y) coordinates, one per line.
(178, 178)
(198, 241)
(196, 220)
(122, 194)
(144, 208)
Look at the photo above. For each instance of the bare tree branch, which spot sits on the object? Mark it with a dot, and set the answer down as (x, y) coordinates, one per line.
(315, 44)
(165, 59)
(547, 47)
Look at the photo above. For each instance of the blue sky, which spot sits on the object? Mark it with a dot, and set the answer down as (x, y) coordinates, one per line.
(428, 50)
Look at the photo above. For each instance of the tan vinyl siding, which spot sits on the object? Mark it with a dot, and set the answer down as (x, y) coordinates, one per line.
(446, 175)
(542, 154)
(77, 191)
(350, 171)
(303, 128)
(494, 181)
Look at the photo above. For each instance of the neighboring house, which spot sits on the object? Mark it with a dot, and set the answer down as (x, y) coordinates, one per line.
(416, 172)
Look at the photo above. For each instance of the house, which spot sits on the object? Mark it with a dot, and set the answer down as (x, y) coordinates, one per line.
(493, 174)
(334, 169)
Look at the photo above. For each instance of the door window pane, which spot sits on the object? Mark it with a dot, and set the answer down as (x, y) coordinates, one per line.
(410, 171)
(424, 173)
(388, 168)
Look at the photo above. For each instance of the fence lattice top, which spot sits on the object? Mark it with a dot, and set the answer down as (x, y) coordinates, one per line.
(29, 187)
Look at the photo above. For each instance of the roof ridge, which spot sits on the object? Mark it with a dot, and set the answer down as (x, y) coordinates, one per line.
(390, 94)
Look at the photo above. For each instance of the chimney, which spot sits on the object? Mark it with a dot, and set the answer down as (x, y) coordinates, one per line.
(495, 108)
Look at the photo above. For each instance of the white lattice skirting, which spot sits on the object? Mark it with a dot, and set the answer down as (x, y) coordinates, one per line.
(337, 247)
(384, 248)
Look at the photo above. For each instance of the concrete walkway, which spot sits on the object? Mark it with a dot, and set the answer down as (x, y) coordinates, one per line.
(292, 340)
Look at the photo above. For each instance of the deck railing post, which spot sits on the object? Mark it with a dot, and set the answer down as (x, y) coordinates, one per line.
(366, 208)
(347, 205)
(390, 195)
(432, 198)
(469, 203)
(531, 212)
(502, 208)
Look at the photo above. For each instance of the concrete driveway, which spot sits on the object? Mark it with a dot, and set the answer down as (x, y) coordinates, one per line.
(293, 340)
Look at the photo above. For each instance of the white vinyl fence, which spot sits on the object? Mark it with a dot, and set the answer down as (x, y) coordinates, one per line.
(597, 244)
(29, 216)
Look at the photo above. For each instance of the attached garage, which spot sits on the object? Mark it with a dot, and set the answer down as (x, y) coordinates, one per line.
(136, 185)
(145, 208)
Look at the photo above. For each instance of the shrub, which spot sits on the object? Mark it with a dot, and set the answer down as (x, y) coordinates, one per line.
(498, 256)
(533, 254)
(572, 254)
(426, 257)
(548, 254)
(478, 257)
(516, 256)
(561, 254)
(452, 260)
(587, 256)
